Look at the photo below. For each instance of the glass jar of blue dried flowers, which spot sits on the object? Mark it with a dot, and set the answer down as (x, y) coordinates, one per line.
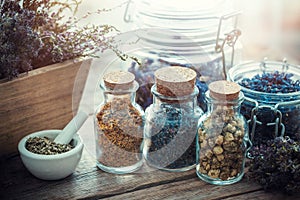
(272, 98)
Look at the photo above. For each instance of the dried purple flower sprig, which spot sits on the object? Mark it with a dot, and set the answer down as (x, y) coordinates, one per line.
(35, 33)
(276, 165)
(19, 43)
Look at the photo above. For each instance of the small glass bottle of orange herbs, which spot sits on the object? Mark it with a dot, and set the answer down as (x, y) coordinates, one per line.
(119, 123)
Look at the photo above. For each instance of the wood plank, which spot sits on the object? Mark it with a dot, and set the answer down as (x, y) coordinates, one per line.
(40, 100)
(86, 182)
(193, 188)
(196, 189)
(262, 195)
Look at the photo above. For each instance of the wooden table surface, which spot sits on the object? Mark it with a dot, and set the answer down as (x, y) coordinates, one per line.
(89, 182)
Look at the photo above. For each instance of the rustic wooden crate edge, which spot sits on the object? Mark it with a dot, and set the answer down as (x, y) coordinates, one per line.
(41, 99)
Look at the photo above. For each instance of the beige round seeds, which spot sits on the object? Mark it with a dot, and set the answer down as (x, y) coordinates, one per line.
(221, 152)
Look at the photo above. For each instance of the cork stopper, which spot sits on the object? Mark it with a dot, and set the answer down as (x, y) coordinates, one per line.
(118, 80)
(175, 81)
(224, 90)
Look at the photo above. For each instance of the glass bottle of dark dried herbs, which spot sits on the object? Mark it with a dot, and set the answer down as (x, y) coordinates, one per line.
(171, 121)
(222, 137)
(119, 124)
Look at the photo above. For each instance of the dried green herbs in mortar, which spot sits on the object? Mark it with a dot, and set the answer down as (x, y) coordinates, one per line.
(43, 145)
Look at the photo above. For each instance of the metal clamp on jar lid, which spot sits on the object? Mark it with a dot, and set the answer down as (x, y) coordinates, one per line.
(175, 81)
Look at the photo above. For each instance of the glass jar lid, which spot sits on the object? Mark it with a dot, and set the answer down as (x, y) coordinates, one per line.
(193, 20)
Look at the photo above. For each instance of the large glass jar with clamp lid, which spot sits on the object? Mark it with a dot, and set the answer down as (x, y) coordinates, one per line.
(272, 98)
(197, 34)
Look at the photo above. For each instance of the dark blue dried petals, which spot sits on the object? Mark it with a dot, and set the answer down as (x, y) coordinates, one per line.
(275, 82)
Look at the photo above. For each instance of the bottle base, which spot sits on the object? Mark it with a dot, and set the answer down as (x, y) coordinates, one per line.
(120, 170)
(217, 181)
(182, 169)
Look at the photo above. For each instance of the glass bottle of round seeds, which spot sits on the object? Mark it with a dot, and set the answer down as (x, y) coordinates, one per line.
(119, 124)
(171, 121)
(222, 137)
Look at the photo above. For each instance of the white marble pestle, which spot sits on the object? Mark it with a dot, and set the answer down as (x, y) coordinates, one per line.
(72, 127)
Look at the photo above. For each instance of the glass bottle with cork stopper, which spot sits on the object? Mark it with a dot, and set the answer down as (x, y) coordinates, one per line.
(171, 121)
(222, 137)
(119, 123)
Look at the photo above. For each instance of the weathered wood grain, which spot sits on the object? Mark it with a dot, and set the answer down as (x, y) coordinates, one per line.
(192, 188)
(41, 99)
(262, 195)
(88, 182)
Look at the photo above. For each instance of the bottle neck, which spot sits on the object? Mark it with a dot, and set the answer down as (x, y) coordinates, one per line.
(224, 107)
(187, 103)
(120, 96)
(126, 99)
